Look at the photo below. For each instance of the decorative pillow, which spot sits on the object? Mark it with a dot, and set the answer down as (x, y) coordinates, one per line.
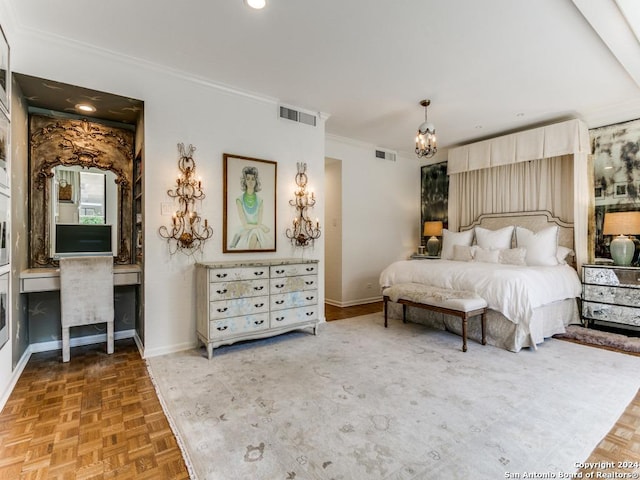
(449, 239)
(486, 255)
(542, 246)
(563, 253)
(497, 239)
(462, 253)
(513, 256)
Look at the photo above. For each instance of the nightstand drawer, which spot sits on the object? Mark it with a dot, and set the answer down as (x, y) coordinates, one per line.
(615, 295)
(612, 276)
(611, 313)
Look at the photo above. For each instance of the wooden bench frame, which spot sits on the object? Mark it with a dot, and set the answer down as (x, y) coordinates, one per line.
(457, 313)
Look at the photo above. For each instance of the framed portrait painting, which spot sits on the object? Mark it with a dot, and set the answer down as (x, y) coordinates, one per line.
(249, 223)
(4, 71)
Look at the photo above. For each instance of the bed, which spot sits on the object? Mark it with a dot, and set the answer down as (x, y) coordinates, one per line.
(520, 263)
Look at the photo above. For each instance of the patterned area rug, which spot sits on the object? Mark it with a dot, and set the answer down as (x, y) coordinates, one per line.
(591, 336)
(359, 401)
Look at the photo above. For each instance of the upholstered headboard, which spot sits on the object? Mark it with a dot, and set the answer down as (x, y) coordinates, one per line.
(534, 221)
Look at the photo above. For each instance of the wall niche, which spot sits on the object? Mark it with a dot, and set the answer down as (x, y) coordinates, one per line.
(67, 142)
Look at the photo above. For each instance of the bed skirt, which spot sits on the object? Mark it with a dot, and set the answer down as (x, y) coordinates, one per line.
(501, 332)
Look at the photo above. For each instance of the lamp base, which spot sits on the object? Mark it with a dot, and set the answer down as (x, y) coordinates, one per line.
(433, 246)
(622, 250)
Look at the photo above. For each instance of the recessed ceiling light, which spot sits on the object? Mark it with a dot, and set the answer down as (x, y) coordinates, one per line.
(85, 107)
(478, 127)
(257, 4)
(520, 114)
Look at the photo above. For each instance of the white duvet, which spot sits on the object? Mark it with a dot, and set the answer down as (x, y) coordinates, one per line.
(514, 291)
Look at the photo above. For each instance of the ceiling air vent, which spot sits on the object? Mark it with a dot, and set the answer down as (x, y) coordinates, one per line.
(386, 155)
(296, 116)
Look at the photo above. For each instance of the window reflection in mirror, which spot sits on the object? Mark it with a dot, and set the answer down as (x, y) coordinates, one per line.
(84, 196)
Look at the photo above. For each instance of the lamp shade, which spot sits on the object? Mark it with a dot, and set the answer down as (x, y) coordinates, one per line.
(432, 229)
(621, 223)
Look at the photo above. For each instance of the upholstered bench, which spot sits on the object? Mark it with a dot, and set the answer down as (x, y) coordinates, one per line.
(459, 303)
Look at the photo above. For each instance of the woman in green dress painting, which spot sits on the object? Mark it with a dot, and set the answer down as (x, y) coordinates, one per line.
(253, 233)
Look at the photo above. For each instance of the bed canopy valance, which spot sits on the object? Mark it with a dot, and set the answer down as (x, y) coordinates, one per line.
(560, 150)
(564, 138)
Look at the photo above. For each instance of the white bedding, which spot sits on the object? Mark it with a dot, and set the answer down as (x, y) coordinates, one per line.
(514, 291)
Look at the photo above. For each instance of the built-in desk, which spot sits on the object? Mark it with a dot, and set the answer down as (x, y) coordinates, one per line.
(48, 279)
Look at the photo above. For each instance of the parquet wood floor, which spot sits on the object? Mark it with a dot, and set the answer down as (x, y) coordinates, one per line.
(98, 417)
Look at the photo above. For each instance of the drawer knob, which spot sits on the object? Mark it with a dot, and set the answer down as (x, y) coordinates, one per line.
(223, 328)
(279, 272)
(222, 310)
(221, 292)
(258, 288)
(280, 285)
(310, 298)
(309, 282)
(279, 319)
(310, 269)
(279, 302)
(258, 305)
(259, 322)
(308, 314)
(221, 275)
(258, 273)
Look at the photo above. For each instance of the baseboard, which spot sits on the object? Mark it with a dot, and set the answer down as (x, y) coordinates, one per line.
(80, 341)
(156, 352)
(353, 303)
(15, 375)
(139, 344)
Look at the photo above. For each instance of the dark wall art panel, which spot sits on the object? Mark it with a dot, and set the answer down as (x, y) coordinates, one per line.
(434, 189)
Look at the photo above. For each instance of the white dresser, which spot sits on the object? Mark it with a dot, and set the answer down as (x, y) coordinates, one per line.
(243, 300)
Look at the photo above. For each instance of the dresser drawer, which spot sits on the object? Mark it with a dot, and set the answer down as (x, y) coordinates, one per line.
(239, 273)
(290, 316)
(294, 269)
(229, 290)
(615, 277)
(229, 327)
(238, 306)
(293, 284)
(294, 299)
(617, 295)
(611, 313)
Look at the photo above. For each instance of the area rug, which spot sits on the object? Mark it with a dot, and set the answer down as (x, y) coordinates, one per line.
(359, 401)
(592, 336)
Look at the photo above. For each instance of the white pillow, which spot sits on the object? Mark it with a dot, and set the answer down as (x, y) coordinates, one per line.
(563, 253)
(449, 239)
(542, 246)
(463, 253)
(486, 255)
(513, 256)
(497, 239)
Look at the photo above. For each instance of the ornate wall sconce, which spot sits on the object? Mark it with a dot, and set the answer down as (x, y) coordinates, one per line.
(187, 233)
(303, 232)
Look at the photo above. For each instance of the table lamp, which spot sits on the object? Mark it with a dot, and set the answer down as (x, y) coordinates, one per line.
(433, 230)
(622, 224)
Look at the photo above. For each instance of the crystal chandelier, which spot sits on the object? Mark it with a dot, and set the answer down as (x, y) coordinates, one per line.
(426, 137)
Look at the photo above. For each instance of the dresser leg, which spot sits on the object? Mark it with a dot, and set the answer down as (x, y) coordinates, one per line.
(209, 351)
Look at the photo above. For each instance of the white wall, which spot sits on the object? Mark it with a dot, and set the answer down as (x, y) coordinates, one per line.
(215, 121)
(380, 215)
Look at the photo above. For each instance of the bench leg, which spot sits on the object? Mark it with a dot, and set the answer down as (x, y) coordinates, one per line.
(464, 333)
(386, 300)
(484, 327)
(404, 313)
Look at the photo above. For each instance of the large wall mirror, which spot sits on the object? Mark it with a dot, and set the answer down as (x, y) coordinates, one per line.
(80, 175)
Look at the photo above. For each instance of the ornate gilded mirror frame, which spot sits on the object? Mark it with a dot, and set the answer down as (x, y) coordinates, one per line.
(61, 141)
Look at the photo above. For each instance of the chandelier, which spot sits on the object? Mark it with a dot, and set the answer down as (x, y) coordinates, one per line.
(304, 232)
(426, 137)
(187, 233)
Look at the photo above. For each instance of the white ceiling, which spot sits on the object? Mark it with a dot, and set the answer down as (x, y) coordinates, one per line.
(489, 66)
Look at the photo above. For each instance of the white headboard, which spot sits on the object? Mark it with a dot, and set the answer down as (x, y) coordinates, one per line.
(534, 221)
